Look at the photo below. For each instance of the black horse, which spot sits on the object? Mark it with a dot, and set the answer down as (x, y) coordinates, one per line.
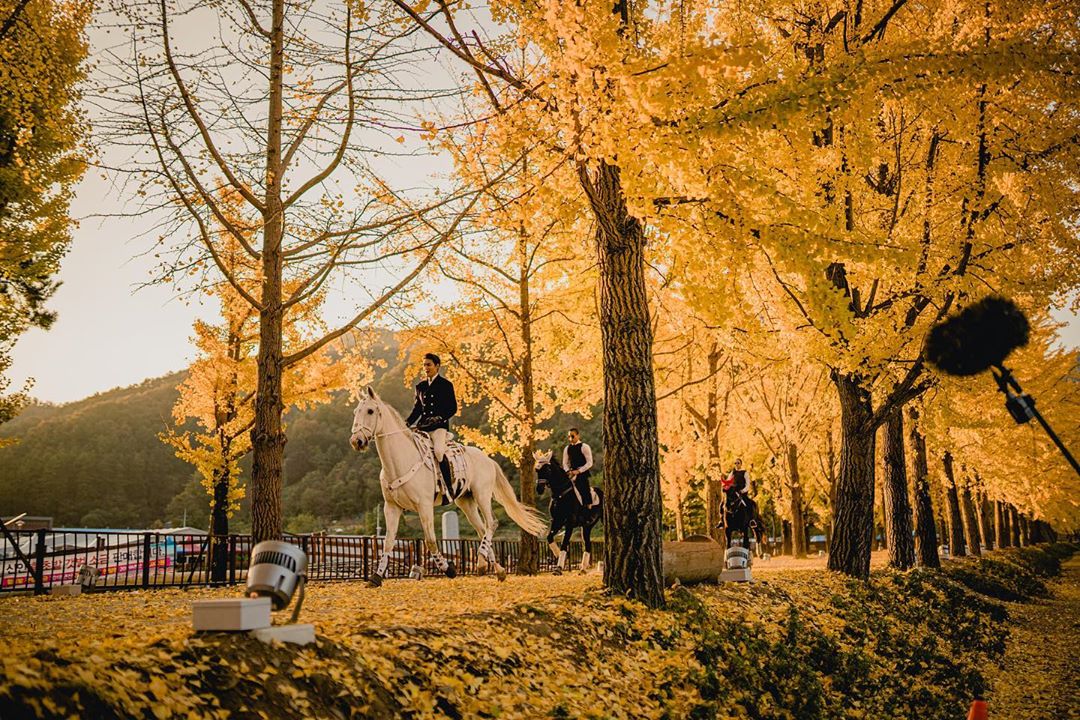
(741, 515)
(566, 510)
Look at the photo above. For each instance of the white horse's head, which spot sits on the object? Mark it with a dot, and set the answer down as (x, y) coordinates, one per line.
(366, 419)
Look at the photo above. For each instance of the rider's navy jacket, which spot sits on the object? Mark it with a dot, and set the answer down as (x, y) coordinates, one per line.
(435, 404)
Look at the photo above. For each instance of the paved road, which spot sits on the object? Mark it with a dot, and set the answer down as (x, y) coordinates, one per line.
(1040, 676)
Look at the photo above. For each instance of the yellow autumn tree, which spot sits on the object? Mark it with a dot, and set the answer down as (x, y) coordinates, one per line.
(42, 156)
(218, 393)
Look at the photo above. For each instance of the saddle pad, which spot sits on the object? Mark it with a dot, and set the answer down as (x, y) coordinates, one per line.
(455, 453)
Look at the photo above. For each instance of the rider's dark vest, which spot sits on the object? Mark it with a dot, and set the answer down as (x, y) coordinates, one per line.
(739, 485)
(577, 458)
(435, 404)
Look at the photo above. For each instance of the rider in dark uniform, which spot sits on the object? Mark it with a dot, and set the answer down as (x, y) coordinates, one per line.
(577, 461)
(435, 405)
(737, 486)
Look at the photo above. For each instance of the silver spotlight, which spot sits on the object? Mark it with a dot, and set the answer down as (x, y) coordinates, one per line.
(277, 570)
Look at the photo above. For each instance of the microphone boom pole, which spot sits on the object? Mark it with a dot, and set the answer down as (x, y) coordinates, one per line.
(1022, 408)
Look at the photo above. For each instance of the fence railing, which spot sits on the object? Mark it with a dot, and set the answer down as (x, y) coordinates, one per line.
(127, 560)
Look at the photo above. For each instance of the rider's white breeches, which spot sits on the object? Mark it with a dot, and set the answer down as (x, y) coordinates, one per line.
(438, 440)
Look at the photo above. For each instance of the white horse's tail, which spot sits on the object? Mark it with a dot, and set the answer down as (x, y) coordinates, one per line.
(527, 518)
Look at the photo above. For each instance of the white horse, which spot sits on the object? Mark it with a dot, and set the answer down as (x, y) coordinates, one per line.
(408, 483)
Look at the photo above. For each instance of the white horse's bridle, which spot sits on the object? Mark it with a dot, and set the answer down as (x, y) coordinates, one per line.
(374, 435)
(370, 435)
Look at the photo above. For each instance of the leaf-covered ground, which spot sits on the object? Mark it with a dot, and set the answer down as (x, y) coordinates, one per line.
(1040, 677)
(795, 644)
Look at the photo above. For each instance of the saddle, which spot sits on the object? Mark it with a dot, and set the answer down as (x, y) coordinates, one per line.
(594, 499)
(455, 456)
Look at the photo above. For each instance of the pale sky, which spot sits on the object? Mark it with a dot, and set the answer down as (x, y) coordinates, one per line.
(111, 332)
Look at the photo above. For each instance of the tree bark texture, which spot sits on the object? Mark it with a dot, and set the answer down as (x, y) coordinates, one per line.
(853, 511)
(1001, 534)
(798, 521)
(986, 520)
(971, 522)
(632, 505)
(787, 544)
(1014, 526)
(529, 559)
(267, 434)
(219, 527)
(957, 544)
(1025, 530)
(926, 537)
(897, 506)
(711, 423)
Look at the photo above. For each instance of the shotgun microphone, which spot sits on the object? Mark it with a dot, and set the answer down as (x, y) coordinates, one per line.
(978, 337)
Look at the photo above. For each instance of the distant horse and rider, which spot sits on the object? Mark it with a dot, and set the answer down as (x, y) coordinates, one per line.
(574, 504)
(740, 513)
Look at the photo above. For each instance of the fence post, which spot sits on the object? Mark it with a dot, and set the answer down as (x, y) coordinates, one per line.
(232, 559)
(146, 560)
(39, 560)
(365, 568)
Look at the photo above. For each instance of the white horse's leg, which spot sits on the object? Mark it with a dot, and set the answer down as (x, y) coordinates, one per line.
(468, 506)
(485, 544)
(393, 515)
(427, 522)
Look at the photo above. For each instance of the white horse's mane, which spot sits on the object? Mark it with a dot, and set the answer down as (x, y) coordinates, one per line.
(392, 410)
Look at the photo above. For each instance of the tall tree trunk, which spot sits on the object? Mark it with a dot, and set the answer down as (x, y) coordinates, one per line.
(1001, 535)
(1014, 526)
(830, 454)
(1025, 530)
(798, 522)
(926, 537)
(956, 524)
(713, 489)
(680, 528)
(986, 519)
(219, 526)
(1006, 518)
(529, 559)
(879, 489)
(853, 512)
(971, 522)
(632, 507)
(786, 547)
(897, 505)
(267, 435)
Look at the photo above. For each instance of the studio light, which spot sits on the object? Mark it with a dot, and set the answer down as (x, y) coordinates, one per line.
(278, 569)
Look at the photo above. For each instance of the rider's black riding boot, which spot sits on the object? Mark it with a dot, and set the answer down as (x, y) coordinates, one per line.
(444, 466)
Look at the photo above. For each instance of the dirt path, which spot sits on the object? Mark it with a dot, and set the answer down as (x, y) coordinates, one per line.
(1040, 676)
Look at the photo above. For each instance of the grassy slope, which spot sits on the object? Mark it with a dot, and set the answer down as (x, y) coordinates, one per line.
(795, 644)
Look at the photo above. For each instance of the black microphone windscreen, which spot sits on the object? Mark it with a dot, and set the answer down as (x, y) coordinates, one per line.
(978, 337)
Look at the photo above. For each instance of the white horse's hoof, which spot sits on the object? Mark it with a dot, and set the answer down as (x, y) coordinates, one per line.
(451, 571)
(557, 571)
(375, 580)
(416, 572)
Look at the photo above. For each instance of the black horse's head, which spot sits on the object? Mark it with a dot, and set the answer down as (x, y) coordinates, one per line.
(549, 474)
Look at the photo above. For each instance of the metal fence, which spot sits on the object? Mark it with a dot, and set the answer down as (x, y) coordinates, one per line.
(40, 559)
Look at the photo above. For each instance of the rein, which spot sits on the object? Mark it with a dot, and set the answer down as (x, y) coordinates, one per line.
(397, 482)
(569, 489)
